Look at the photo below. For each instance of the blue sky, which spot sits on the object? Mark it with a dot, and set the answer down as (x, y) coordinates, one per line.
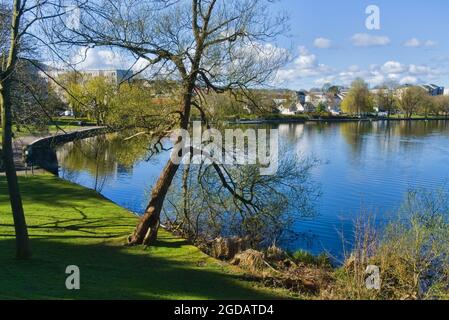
(330, 43)
(412, 45)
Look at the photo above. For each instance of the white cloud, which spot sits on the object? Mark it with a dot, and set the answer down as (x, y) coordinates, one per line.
(105, 58)
(305, 65)
(368, 40)
(415, 43)
(430, 43)
(322, 43)
(379, 74)
(393, 67)
(412, 43)
(98, 58)
(409, 80)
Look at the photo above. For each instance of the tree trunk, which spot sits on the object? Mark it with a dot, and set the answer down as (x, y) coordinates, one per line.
(146, 230)
(22, 242)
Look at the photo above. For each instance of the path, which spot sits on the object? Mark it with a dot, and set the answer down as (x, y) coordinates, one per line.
(20, 143)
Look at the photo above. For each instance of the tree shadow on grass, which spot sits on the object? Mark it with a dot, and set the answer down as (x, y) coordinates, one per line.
(116, 272)
(50, 190)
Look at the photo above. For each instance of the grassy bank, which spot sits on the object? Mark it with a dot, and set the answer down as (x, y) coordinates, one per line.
(57, 126)
(70, 225)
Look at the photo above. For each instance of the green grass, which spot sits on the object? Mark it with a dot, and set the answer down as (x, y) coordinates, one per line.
(64, 123)
(70, 225)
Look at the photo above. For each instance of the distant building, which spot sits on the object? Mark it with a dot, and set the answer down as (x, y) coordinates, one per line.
(301, 96)
(115, 75)
(305, 107)
(288, 111)
(433, 90)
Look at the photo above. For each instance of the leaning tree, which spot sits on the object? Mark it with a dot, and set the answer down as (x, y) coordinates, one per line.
(205, 45)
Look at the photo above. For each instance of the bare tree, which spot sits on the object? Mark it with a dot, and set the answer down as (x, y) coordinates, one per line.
(277, 201)
(18, 19)
(9, 62)
(206, 45)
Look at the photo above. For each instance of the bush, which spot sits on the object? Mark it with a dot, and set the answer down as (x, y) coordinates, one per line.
(412, 254)
(307, 258)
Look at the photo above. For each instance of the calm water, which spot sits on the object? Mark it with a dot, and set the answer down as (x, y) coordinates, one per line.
(363, 167)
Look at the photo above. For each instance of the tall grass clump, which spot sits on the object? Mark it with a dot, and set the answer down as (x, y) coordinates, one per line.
(412, 253)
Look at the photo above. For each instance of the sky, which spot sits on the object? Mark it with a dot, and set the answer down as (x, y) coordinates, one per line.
(330, 43)
(333, 44)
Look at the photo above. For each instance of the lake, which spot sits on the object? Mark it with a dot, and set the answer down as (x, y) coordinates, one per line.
(363, 167)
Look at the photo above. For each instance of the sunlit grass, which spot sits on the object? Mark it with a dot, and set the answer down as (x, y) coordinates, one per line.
(70, 225)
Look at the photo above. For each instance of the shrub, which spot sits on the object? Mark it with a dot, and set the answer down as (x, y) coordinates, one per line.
(307, 258)
(412, 254)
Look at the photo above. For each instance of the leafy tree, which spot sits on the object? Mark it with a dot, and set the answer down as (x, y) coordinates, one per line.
(321, 107)
(359, 99)
(136, 105)
(411, 99)
(386, 100)
(428, 106)
(92, 98)
(442, 104)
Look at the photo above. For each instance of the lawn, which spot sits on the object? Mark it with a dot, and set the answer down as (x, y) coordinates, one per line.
(70, 225)
(58, 124)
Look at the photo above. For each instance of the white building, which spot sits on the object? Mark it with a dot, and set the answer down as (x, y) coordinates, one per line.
(115, 75)
(288, 111)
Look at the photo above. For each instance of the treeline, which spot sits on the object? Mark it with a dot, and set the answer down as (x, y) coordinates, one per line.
(405, 101)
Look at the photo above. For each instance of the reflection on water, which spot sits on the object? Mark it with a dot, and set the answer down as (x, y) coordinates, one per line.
(364, 166)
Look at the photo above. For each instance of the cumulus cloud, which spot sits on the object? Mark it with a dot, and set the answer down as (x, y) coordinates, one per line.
(393, 67)
(415, 43)
(305, 65)
(412, 43)
(98, 58)
(368, 40)
(379, 74)
(105, 58)
(430, 43)
(409, 80)
(322, 43)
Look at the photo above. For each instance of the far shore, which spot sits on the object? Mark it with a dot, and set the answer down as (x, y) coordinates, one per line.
(329, 119)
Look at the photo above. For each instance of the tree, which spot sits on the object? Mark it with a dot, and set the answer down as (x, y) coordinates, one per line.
(359, 99)
(411, 99)
(17, 22)
(92, 97)
(34, 100)
(321, 107)
(386, 100)
(442, 104)
(428, 106)
(213, 45)
(23, 250)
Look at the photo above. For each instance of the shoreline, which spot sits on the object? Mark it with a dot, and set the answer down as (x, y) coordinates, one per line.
(331, 120)
(84, 228)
